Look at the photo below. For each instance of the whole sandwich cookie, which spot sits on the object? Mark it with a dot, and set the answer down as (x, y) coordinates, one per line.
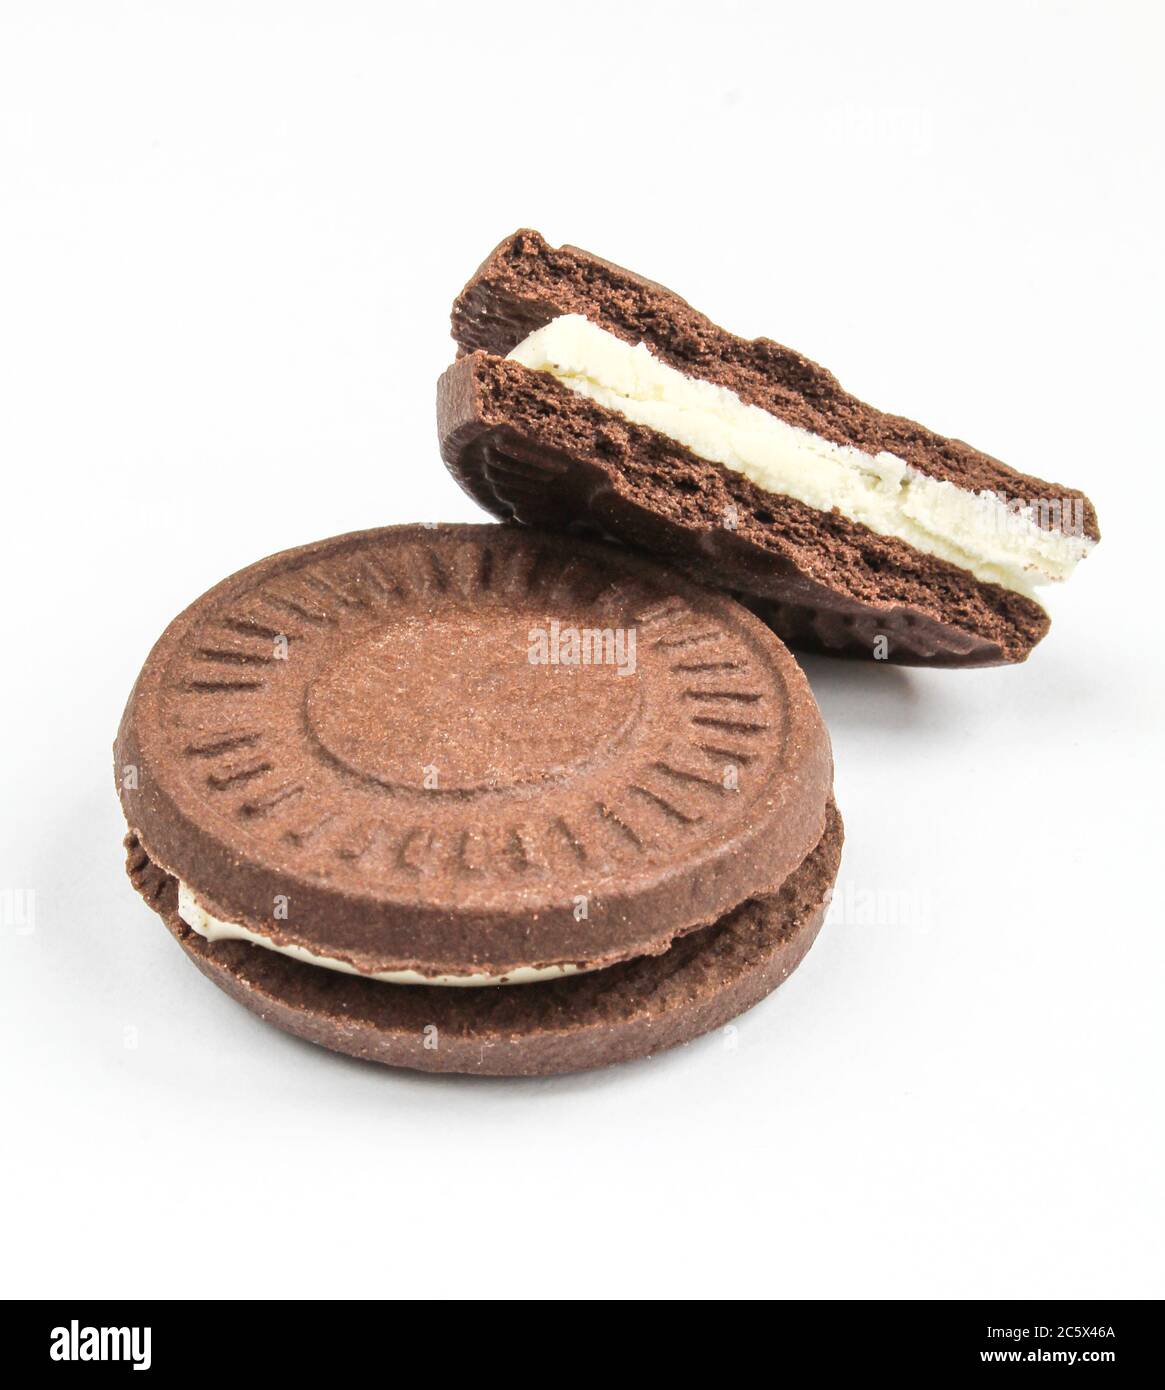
(479, 799)
(589, 398)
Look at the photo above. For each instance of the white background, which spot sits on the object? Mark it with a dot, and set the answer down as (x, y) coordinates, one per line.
(229, 239)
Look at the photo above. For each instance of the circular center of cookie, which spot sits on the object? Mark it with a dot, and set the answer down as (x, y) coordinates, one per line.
(458, 705)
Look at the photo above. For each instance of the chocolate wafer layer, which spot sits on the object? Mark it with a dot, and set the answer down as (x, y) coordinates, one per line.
(632, 1010)
(884, 539)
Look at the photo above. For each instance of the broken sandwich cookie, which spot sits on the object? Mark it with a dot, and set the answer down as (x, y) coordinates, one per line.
(479, 799)
(586, 397)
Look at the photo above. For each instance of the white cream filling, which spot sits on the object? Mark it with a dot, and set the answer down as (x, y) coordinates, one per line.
(998, 539)
(214, 929)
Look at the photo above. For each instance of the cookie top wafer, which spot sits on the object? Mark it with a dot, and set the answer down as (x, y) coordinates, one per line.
(471, 749)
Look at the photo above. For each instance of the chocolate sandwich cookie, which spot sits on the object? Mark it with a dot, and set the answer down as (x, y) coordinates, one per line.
(588, 398)
(477, 798)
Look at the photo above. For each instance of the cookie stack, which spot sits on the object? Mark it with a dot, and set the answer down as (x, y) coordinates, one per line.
(536, 797)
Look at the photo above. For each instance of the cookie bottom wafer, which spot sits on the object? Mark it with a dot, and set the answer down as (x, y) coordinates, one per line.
(633, 1009)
